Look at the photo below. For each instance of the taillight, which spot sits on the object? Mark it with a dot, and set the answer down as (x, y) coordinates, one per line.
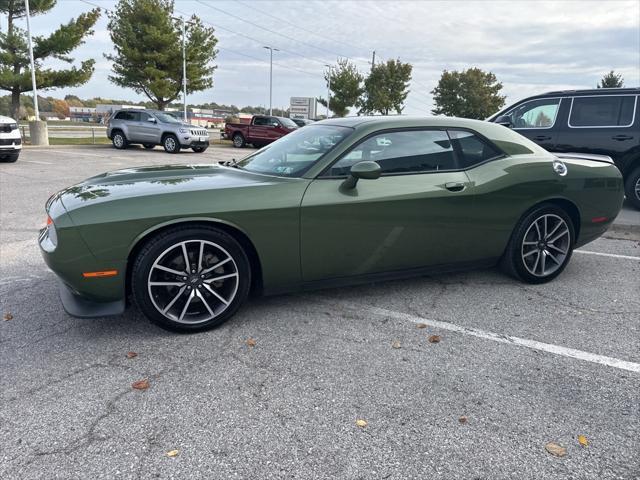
(49, 221)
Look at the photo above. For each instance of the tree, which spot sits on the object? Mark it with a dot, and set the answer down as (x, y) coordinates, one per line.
(15, 69)
(148, 50)
(346, 87)
(60, 108)
(611, 80)
(471, 93)
(386, 88)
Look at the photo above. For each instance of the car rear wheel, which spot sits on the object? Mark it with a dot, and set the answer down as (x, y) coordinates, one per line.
(632, 188)
(119, 140)
(238, 140)
(171, 144)
(199, 149)
(148, 146)
(190, 279)
(541, 245)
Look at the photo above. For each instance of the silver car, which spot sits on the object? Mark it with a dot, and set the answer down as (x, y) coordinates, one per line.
(151, 127)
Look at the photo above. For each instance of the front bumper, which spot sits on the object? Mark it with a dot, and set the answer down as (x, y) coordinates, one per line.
(81, 307)
(193, 142)
(8, 145)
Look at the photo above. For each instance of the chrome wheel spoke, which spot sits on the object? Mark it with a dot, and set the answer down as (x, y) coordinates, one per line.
(206, 304)
(186, 256)
(186, 305)
(535, 264)
(552, 257)
(166, 284)
(543, 262)
(546, 245)
(554, 229)
(528, 254)
(221, 277)
(170, 270)
(216, 294)
(558, 249)
(217, 265)
(178, 295)
(560, 235)
(200, 255)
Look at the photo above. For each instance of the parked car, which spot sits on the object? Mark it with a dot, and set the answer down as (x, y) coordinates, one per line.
(151, 127)
(302, 122)
(10, 139)
(262, 130)
(341, 201)
(604, 121)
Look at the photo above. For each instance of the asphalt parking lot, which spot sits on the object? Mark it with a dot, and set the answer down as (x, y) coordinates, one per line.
(277, 392)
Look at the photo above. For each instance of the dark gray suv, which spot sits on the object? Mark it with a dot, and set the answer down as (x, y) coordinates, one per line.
(152, 127)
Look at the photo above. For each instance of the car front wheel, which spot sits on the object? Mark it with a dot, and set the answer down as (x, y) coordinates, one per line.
(199, 149)
(190, 279)
(632, 188)
(540, 246)
(171, 144)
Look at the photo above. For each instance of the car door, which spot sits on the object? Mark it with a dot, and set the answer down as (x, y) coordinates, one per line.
(260, 128)
(134, 130)
(415, 215)
(601, 124)
(536, 120)
(149, 128)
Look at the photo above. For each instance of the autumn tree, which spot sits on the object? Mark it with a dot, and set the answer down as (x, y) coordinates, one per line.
(345, 87)
(472, 93)
(386, 88)
(60, 108)
(148, 50)
(15, 69)
(611, 80)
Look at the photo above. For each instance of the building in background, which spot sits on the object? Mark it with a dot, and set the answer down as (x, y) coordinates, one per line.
(82, 114)
(303, 107)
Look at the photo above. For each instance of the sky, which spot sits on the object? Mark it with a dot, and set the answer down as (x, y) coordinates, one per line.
(531, 46)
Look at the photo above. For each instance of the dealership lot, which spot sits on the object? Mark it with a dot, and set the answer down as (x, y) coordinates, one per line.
(276, 392)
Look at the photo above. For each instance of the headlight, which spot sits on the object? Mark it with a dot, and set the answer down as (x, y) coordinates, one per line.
(184, 130)
(13, 126)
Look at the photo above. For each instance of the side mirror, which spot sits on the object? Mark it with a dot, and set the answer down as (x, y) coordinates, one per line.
(366, 170)
(152, 120)
(504, 120)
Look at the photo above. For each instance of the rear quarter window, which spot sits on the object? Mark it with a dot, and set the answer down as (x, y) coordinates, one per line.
(602, 111)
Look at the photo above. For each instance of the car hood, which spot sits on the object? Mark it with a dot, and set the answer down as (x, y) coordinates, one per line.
(159, 180)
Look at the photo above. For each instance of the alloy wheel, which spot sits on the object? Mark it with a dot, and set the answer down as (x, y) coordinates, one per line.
(118, 140)
(546, 245)
(170, 144)
(637, 188)
(193, 281)
(237, 141)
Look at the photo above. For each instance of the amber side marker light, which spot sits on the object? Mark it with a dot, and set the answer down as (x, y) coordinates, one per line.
(599, 219)
(105, 273)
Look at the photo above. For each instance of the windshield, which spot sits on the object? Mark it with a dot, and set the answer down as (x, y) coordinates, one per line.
(294, 154)
(166, 118)
(287, 122)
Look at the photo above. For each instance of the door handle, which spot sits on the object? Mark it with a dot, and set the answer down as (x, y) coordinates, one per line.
(454, 186)
(621, 138)
(541, 138)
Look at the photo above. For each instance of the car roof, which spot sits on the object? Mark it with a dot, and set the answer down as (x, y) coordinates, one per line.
(398, 121)
(590, 92)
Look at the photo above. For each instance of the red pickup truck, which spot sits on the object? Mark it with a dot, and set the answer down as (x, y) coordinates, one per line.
(263, 129)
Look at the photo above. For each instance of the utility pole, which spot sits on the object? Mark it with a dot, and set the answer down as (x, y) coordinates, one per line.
(328, 89)
(373, 60)
(184, 69)
(33, 67)
(271, 50)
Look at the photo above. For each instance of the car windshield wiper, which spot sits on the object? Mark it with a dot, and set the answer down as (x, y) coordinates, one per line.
(230, 163)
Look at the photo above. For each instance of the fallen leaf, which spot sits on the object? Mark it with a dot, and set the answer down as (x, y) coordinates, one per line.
(421, 325)
(396, 344)
(434, 339)
(7, 317)
(555, 449)
(361, 423)
(582, 440)
(173, 453)
(251, 342)
(140, 384)
(462, 419)
(132, 354)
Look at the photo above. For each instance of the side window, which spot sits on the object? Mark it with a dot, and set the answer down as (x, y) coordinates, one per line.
(122, 116)
(412, 151)
(260, 121)
(144, 117)
(603, 111)
(471, 149)
(535, 114)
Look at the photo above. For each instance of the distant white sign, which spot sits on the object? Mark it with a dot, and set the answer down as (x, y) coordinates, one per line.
(303, 107)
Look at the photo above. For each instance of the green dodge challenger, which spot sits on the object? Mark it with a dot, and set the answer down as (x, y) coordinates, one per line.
(342, 201)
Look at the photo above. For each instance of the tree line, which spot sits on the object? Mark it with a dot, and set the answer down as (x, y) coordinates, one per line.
(147, 58)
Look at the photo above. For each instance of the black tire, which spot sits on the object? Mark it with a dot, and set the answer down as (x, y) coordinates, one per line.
(238, 140)
(10, 157)
(632, 188)
(526, 254)
(170, 143)
(166, 248)
(148, 146)
(119, 140)
(257, 145)
(199, 149)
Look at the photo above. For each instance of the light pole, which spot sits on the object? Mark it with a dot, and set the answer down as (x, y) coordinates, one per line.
(271, 50)
(33, 67)
(184, 63)
(328, 89)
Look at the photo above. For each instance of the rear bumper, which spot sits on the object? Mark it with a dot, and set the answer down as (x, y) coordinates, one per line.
(80, 307)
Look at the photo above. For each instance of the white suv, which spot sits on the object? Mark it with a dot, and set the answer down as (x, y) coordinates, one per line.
(10, 140)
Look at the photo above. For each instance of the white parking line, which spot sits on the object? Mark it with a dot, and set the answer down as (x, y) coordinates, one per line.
(612, 255)
(37, 161)
(496, 337)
